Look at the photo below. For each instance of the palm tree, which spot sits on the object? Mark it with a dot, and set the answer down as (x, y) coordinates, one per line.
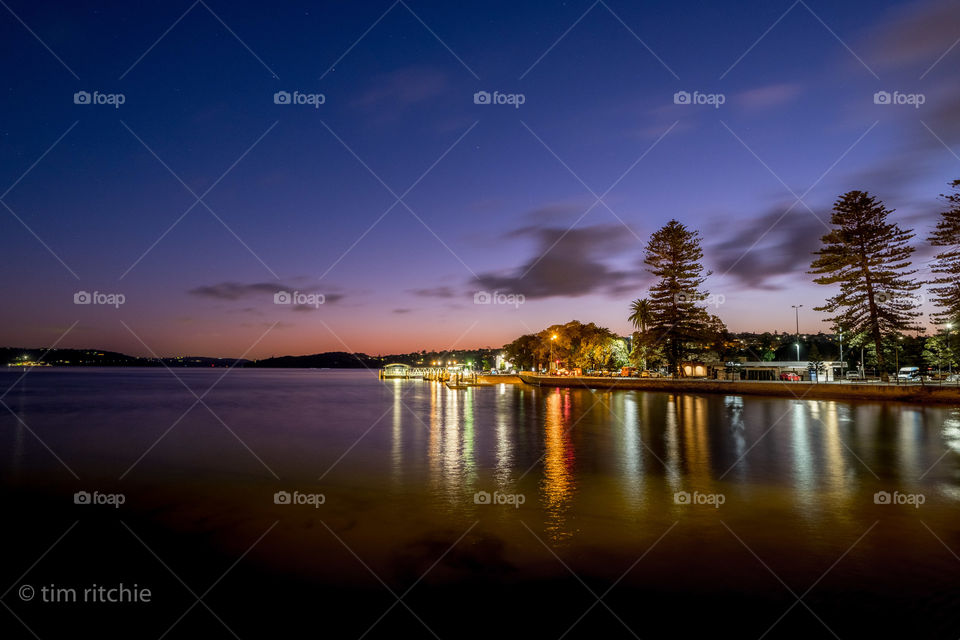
(641, 316)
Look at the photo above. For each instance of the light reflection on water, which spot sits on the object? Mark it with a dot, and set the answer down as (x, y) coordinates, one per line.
(596, 468)
(557, 484)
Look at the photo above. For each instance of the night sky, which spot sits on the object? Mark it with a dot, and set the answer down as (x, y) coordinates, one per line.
(399, 198)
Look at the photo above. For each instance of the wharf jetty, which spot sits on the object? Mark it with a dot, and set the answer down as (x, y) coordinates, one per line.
(455, 376)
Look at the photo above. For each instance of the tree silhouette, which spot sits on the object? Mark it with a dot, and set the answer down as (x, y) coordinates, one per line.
(869, 258)
(641, 317)
(678, 321)
(946, 264)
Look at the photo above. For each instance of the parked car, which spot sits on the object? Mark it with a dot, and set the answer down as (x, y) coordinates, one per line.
(953, 378)
(854, 375)
(649, 373)
(908, 374)
(789, 376)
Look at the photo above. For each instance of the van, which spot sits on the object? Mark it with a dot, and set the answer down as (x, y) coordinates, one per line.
(907, 374)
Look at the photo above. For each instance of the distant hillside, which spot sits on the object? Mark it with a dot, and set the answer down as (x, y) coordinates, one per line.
(97, 358)
(330, 360)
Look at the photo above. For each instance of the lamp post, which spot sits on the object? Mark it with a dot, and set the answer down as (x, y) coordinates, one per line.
(949, 351)
(897, 359)
(841, 353)
(796, 308)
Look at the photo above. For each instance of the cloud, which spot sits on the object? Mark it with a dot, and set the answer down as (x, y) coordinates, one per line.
(769, 96)
(435, 292)
(569, 263)
(264, 291)
(916, 35)
(914, 49)
(237, 290)
(401, 310)
(328, 299)
(782, 248)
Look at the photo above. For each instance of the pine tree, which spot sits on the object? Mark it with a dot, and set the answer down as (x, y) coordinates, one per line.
(677, 320)
(869, 258)
(946, 264)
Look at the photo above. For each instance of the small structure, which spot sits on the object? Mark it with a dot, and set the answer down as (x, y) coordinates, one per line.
(763, 370)
(694, 369)
(395, 370)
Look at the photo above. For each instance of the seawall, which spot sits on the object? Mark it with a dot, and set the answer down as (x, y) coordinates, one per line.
(806, 390)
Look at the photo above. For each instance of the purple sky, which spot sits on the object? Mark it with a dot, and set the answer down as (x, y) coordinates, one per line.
(548, 203)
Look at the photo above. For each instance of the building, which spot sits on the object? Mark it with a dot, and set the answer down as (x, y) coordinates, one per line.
(762, 370)
(396, 370)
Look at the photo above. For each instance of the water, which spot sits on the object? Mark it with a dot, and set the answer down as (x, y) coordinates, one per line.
(740, 516)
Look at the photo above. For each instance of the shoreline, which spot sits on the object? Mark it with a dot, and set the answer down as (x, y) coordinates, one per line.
(795, 390)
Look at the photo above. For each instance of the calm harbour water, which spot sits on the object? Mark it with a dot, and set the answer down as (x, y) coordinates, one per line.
(686, 514)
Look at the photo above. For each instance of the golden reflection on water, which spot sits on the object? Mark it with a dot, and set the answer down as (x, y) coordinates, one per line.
(815, 456)
(672, 443)
(633, 476)
(557, 486)
(692, 412)
(835, 467)
(451, 459)
(396, 450)
(504, 414)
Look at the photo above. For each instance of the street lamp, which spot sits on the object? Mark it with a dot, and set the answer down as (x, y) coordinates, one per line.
(949, 352)
(796, 308)
(841, 353)
(897, 360)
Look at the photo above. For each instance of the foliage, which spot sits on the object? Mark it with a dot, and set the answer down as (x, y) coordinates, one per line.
(869, 258)
(937, 354)
(946, 264)
(576, 345)
(678, 320)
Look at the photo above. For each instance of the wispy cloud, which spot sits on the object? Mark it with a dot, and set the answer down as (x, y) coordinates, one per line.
(571, 263)
(434, 292)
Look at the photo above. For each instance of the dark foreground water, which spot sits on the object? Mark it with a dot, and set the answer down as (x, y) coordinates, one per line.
(330, 504)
